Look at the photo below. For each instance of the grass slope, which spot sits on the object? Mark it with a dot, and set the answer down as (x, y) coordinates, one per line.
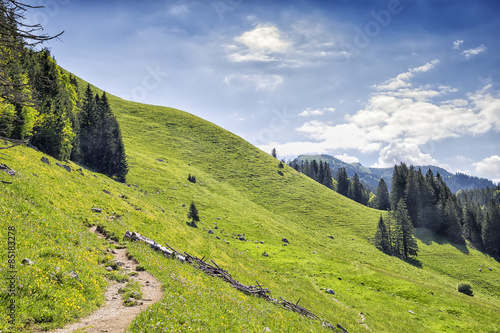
(238, 189)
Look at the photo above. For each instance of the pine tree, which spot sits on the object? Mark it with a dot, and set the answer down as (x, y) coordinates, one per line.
(382, 195)
(491, 229)
(471, 225)
(382, 240)
(357, 190)
(405, 243)
(327, 177)
(193, 213)
(343, 182)
(450, 223)
(274, 153)
(398, 186)
(412, 197)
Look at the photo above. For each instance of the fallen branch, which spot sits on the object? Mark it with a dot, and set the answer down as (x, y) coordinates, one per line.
(216, 271)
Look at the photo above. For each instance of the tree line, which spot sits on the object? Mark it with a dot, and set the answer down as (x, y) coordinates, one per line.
(472, 215)
(418, 200)
(41, 105)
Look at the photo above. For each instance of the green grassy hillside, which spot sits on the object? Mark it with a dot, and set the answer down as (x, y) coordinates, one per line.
(240, 191)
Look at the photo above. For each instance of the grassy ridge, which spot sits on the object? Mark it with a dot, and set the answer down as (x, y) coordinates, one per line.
(238, 189)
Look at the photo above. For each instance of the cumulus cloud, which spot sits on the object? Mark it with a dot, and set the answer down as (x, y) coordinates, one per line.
(473, 52)
(489, 168)
(347, 158)
(259, 82)
(409, 153)
(263, 43)
(399, 119)
(316, 112)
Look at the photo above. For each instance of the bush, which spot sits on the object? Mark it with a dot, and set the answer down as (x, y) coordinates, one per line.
(465, 288)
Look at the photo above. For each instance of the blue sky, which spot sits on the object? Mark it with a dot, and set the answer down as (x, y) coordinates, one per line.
(377, 82)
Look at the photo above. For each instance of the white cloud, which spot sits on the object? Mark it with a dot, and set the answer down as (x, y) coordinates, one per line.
(316, 112)
(457, 43)
(409, 153)
(263, 43)
(401, 81)
(347, 158)
(489, 168)
(258, 81)
(473, 52)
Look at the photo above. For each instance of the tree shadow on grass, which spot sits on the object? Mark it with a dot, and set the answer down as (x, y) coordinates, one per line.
(413, 261)
(191, 224)
(428, 237)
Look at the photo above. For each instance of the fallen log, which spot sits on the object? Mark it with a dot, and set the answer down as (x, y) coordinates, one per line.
(216, 271)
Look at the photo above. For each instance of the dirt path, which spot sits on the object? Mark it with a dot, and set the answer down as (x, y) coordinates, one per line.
(114, 317)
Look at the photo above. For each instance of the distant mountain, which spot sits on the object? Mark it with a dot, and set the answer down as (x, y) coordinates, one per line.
(371, 176)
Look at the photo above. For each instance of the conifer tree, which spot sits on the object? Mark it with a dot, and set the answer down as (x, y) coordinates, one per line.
(327, 177)
(357, 190)
(491, 229)
(382, 195)
(343, 182)
(412, 197)
(405, 243)
(382, 240)
(398, 186)
(193, 213)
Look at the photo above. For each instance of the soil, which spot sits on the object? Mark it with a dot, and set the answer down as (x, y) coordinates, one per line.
(114, 317)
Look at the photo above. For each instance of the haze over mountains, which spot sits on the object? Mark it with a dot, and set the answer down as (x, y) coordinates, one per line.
(371, 176)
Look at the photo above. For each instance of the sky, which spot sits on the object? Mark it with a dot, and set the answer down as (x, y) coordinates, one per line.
(377, 82)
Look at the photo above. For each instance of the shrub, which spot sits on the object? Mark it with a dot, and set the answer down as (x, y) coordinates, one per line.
(465, 288)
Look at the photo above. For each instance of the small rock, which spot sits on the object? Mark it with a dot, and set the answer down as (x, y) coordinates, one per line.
(109, 268)
(106, 191)
(81, 174)
(285, 240)
(242, 238)
(45, 160)
(489, 268)
(210, 232)
(330, 291)
(73, 275)
(265, 254)
(97, 210)
(314, 252)
(267, 329)
(216, 227)
(262, 242)
(217, 237)
(330, 237)
(411, 312)
(67, 168)
(59, 164)
(218, 218)
(183, 205)
(480, 270)
(135, 295)
(26, 261)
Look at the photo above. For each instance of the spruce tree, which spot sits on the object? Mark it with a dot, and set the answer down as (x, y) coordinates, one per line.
(412, 197)
(382, 195)
(193, 213)
(382, 240)
(327, 177)
(398, 186)
(343, 182)
(491, 229)
(406, 245)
